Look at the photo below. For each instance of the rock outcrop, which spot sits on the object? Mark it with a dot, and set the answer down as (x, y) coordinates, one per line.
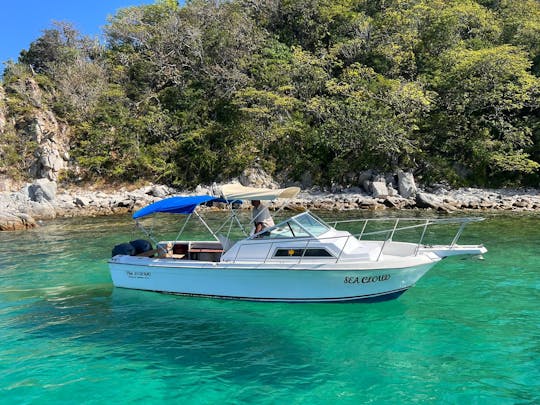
(3, 110)
(15, 221)
(42, 190)
(50, 135)
(406, 184)
(38, 126)
(257, 177)
(52, 154)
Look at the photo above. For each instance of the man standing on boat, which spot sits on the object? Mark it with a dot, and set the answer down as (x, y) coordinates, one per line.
(261, 216)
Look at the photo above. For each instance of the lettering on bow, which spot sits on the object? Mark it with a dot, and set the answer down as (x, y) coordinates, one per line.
(366, 279)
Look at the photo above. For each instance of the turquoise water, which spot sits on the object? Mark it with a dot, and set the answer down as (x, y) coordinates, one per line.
(469, 332)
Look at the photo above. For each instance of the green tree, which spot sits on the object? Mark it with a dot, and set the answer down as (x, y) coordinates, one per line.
(488, 100)
(521, 27)
(410, 36)
(368, 120)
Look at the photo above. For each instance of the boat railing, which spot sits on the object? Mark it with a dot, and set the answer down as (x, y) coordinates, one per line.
(396, 225)
(421, 223)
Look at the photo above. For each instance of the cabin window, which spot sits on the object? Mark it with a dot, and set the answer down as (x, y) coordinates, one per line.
(310, 252)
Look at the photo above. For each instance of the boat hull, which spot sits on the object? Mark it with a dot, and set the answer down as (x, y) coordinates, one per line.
(268, 282)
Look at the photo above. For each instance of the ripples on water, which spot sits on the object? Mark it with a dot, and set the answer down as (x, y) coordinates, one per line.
(467, 333)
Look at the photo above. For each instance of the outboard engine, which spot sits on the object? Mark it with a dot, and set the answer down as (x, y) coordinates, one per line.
(141, 246)
(126, 249)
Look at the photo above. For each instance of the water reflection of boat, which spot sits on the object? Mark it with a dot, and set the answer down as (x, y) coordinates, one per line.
(301, 259)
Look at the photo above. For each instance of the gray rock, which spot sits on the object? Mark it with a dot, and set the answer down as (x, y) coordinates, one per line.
(14, 221)
(424, 200)
(379, 189)
(392, 202)
(42, 190)
(82, 201)
(257, 177)
(52, 139)
(391, 191)
(366, 175)
(366, 185)
(159, 191)
(406, 185)
(306, 180)
(391, 180)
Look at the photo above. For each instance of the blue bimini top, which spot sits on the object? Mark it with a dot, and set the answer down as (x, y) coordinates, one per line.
(178, 205)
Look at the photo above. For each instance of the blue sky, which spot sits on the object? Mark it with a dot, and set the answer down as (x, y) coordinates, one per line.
(23, 21)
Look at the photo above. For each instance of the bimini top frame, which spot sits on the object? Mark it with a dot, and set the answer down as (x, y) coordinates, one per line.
(233, 194)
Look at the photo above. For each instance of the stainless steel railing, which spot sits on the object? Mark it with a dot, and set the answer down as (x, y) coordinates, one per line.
(390, 232)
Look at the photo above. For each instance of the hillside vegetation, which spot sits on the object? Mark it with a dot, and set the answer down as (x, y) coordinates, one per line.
(319, 88)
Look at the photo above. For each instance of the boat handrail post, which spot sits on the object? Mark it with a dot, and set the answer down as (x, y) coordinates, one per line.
(421, 238)
(235, 218)
(363, 228)
(389, 238)
(458, 234)
(237, 252)
(343, 248)
(382, 248)
(268, 253)
(304, 252)
(394, 230)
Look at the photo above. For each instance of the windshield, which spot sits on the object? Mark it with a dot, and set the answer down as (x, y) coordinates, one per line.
(300, 226)
(312, 225)
(289, 229)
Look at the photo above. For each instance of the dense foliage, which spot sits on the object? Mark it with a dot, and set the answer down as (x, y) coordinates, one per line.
(318, 88)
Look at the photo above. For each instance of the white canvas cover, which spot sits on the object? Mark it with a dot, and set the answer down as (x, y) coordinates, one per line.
(239, 192)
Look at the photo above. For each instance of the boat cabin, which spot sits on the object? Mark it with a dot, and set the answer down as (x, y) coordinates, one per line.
(302, 237)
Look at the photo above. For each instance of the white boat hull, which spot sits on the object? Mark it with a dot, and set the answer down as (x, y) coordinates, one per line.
(270, 282)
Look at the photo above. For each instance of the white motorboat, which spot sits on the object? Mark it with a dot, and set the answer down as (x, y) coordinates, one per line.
(301, 259)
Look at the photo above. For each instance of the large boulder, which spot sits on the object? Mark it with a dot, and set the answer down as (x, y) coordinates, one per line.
(425, 200)
(42, 190)
(306, 180)
(14, 221)
(379, 189)
(406, 185)
(257, 177)
(365, 175)
(159, 191)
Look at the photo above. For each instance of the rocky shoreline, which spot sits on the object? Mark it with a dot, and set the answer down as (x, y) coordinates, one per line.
(42, 200)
